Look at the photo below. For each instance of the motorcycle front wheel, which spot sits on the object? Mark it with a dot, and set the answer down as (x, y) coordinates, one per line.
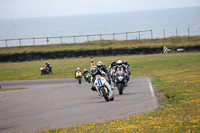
(120, 87)
(105, 95)
(79, 80)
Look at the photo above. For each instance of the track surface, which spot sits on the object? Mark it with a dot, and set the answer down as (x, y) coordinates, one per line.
(63, 102)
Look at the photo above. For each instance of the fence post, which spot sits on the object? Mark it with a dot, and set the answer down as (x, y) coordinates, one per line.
(6, 43)
(74, 39)
(188, 32)
(60, 40)
(47, 41)
(164, 33)
(151, 34)
(126, 36)
(139, 34)
(20, 43)
(176, 32)
(100, 37)
(34, 41)
(87, 38)
(113, 36)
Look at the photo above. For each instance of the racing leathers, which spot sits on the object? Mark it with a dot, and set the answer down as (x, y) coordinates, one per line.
(48, 67)
(122, 67)
(98, 72)
(75, 73)
(106, 71)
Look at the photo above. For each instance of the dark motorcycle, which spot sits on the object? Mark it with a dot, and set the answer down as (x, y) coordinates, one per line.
(120, 81)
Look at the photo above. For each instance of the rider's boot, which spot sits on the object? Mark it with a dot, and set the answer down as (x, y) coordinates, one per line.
(93, 88)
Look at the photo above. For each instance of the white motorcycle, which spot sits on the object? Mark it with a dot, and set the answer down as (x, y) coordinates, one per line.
(103, 88)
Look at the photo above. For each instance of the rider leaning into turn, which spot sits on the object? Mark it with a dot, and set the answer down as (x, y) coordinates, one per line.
(95, 71)
(103, 68)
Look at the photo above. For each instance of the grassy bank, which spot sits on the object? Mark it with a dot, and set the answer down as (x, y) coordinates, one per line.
(142, 65)
(172, 42)
(175, 77)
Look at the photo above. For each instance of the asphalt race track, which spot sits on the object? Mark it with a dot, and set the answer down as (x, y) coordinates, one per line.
(57, 103)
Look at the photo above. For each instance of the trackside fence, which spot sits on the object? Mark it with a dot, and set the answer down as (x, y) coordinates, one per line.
(71, 39)
(81, 38)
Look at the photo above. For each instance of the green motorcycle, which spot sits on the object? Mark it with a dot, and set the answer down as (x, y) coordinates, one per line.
(87, 77)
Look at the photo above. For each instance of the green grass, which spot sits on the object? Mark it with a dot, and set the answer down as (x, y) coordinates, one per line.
(11, 89)
(142, 65)
(175, 78)
(172, 42)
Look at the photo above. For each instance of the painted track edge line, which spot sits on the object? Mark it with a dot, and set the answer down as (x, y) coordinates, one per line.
(151, 88)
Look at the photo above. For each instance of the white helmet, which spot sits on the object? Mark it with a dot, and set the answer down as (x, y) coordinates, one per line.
(99, 64)
(78, 69)
(119, 62)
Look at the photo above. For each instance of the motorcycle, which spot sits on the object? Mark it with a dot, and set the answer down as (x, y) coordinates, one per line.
(79, 76)
(103, 88)
(120, 81)
(45, 70)
(87, 77)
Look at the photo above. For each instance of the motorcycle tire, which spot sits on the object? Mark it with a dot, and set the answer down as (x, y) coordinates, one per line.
(79, 80)
(120, 87)
(112, 98)
(105, 95)
(42, 73)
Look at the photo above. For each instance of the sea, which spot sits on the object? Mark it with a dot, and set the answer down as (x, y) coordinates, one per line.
(163, 23)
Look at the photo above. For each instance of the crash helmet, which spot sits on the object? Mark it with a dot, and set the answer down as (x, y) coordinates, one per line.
(113, 61)
(93, 69)
(78, 69)
(99, 64)
(85, 70)
(119, 62)
(125, 62)
(46, 63)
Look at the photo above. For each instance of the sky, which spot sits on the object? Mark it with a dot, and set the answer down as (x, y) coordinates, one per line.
(40, 8)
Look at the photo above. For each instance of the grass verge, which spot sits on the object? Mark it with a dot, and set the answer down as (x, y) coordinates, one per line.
(172, 42)
(10, 89)
(177, 75)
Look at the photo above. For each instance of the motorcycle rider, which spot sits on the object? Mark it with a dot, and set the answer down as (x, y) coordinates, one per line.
(77, 69)
(120, 66)
(127, 66)
(84, 74)
(103, 68)
(96, 71)
(113, 64)
(48, 67)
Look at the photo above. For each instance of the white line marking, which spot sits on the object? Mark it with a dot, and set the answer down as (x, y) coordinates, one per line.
(151, 88)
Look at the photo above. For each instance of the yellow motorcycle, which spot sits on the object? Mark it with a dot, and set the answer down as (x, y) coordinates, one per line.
(79, 76)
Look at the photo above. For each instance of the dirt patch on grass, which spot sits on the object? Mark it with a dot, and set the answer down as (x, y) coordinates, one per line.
(160, 94)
